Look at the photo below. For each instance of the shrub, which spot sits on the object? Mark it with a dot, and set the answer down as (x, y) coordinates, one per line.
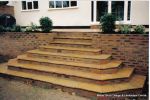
(17, 28)
(2, 29)
(7, 20)
(3, 3)
(46, 24)
(28, 29)
(139, 29)
(34, 27)
(108, 23)
(125, 29)
(8, 29)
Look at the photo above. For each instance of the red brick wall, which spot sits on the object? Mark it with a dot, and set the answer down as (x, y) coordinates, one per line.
(7, 10)
(131, 49)
(13, 44)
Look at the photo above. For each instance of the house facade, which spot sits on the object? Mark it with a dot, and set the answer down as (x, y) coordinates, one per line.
(81, 12)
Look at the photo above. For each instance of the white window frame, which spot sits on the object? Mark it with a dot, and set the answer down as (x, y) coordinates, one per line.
(70, 7)
(125, 21)
(27, 5)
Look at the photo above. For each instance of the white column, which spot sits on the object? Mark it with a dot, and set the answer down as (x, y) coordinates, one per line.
(125, 11)
(109, 6)
(95, 12)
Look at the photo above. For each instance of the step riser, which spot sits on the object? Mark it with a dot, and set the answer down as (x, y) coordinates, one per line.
(70, 67)
(75, 35)
(70, 77)
(69, 51)
(73, 40)
(68, 59)
(71, 45)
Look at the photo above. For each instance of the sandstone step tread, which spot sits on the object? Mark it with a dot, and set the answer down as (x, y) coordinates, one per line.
(72, 37)
(72, 48)
(122, 73)
(136, 82)
(71, 42)
(101, 56)
(112, 64)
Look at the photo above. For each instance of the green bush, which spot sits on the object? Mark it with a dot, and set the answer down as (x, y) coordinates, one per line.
(125, 29)
(2, 3)
(34, 27)
(2, 29)
(28, 29)
(8, 29)
(46, 24)
(108, 23)
(17, 28)
(140, 29)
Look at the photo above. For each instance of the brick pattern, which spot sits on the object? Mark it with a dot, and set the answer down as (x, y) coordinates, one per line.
(7, 10)
(132, 49)
(13, 44)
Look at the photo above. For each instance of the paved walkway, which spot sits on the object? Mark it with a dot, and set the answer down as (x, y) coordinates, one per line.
(76, 30)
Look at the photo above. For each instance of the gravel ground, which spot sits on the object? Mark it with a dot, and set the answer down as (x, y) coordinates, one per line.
(15, 90)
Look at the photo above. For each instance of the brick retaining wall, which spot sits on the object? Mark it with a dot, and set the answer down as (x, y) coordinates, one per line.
(13, 44)
(131, 49)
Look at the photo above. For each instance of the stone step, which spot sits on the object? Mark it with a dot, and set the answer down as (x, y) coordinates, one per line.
(71, 45)
(73, 41)
(98, 57)
(109, 65)
(122, 73)
(101, 58)
(94, 70)
(72, 48)
(136, 82)
(75, 35)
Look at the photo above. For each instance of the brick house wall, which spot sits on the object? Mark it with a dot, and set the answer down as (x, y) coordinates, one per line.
(7, 10)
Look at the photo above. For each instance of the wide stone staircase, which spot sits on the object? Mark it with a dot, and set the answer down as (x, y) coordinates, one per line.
(72, 62)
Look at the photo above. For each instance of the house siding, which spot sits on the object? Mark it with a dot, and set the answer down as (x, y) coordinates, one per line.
(80, 16)
(140, 12)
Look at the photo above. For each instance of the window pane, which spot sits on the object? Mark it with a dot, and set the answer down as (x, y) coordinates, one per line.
(129, 9)
(118, 9)
(102, 9)
(92, 11)
(65, 3)
(58, 4)
(51, 4)
(24, 5)
(73, 3)
(29, 5)
(35, 3)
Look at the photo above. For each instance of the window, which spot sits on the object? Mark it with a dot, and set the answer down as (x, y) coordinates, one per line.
(129, 10)
(65, 3)
(30, 5)
(102, 9)
(92, 11)
(58, 4)
(62, 4)
(118, 9)
(73, 3)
